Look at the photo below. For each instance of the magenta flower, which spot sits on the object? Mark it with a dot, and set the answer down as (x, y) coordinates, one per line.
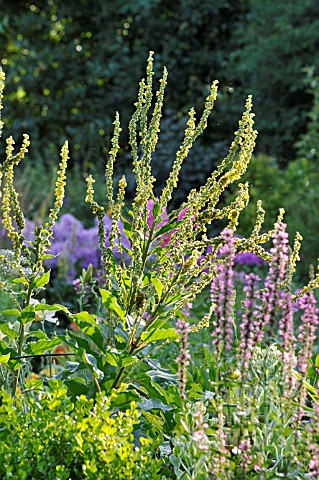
(250, 328)
(183, 359)
(222, 294)
(200, 427)
(167, 238)
(150, 217)
(307, 329)
(286, 332)
(276, 275)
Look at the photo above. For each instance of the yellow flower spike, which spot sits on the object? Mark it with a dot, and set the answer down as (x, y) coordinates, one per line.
(99, 211)
(110, 164)
(9, 149)
(2, 80)
(59, 187)
(259, 220)
(295, 257)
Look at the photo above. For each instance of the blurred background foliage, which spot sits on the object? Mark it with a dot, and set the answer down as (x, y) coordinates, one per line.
(71, 65)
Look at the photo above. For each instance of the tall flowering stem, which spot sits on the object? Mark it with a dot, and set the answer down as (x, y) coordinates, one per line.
(222, 294)
(183, 328)
(275, 277)
(307, 330)
(286, 332)
(250, 328)
(200, 427)
(306, 337)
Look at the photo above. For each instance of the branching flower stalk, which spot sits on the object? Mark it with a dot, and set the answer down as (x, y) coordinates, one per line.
(27, 258)
(169, 265)
(250, 328)
(222, 295)
(183, 359)
(275, 278)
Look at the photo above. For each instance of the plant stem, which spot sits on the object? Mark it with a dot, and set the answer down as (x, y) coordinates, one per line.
(21, 341)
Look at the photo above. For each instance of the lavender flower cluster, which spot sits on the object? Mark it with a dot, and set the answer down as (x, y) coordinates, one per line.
(73, 245)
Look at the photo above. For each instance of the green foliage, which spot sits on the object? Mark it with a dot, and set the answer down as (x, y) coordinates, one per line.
(55, 438)
(254, 414)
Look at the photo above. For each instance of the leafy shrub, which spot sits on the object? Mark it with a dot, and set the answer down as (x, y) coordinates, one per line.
(54, 438)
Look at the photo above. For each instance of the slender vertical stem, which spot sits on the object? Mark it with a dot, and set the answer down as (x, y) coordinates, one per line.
(21, 341)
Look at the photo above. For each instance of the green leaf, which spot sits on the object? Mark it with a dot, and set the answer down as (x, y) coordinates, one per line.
(56, 307)
(85, 317)
(317, 361)
(43, 280)
(153, 404)
(12, 312)
(6, 330)
(5, 358)
(48, 256)
(88, 359)
(111, 302)
(156, 335)
(19, 280)
(27, 315)
(158, 286)
(123, 399)
(42, 346)
(156, 211)
(166, 228)
(155, 420)
(38, 334)
(5, 350)
(34, 383)
(120, 359)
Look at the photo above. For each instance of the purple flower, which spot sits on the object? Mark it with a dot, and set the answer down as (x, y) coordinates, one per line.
(276, 275)
(222, 294)
(76, 245)
(183, 328)
(248, 258)
(150, 217)
(307, 329)
(200, 427)
(250, 327)
(286, 331)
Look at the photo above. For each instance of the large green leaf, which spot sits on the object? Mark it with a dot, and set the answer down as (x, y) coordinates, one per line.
(13, 364)
(155, 335)
(42, 346)
(90, 360)
(109, 301)
(120, 359)
(43, 280)
(86, 317)
(7, 330)
(56, 307)
(90, 328)
(27, 315)
(13, 312)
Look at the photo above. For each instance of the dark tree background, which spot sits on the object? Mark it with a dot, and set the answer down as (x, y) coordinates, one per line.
(71, 65)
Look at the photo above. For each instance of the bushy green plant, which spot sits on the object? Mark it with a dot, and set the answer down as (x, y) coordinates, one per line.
(166, 268)
(168, 261)
(54, 438)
